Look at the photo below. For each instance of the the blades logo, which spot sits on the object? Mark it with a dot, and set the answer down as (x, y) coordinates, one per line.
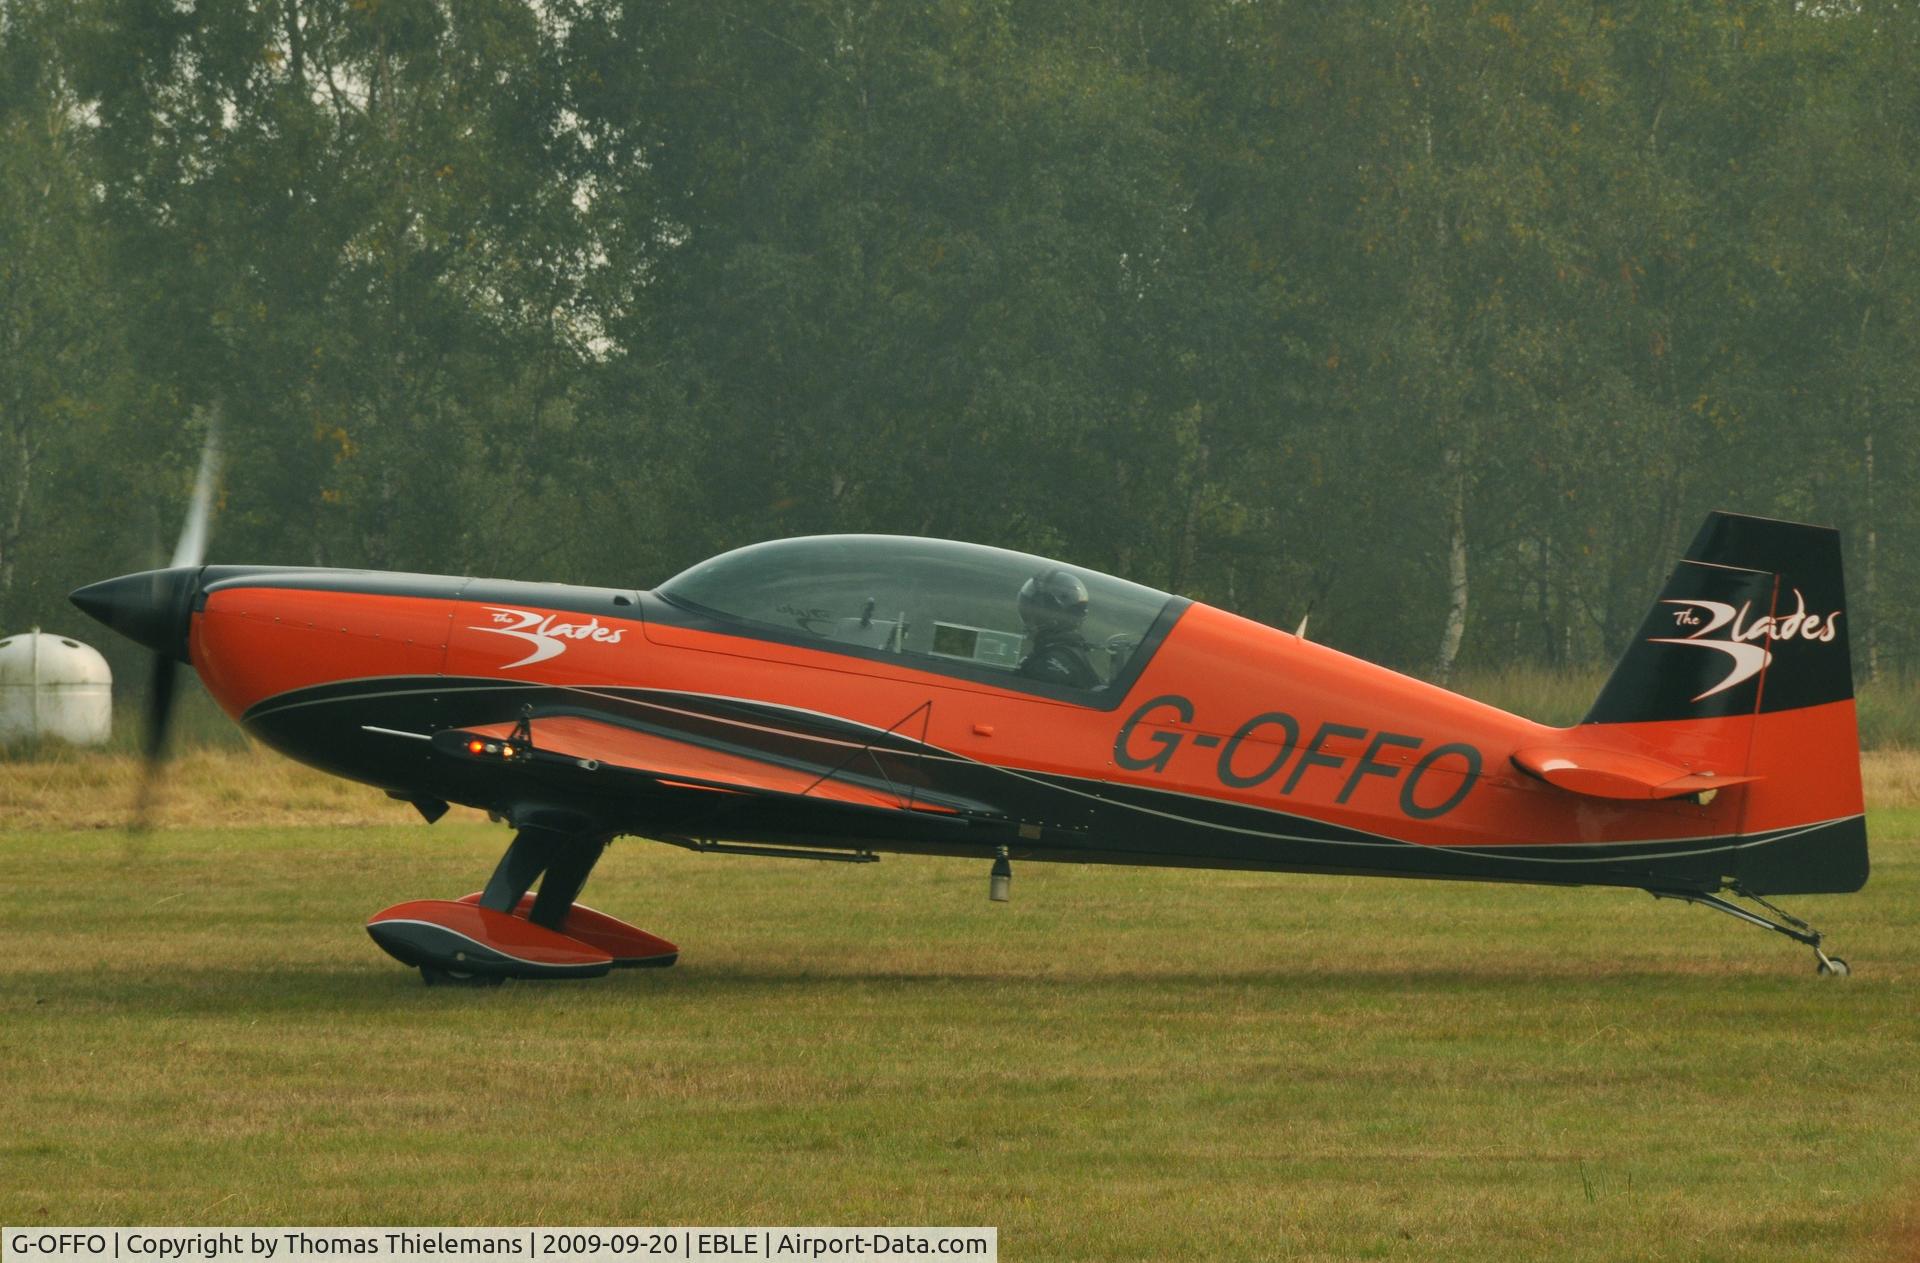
(1703, 618)
(548, 637)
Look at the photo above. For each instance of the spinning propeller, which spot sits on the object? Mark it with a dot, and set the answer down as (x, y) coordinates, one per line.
(154, 608)
(190, 550)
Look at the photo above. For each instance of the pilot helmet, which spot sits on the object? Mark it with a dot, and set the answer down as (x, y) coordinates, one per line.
(1055, 601)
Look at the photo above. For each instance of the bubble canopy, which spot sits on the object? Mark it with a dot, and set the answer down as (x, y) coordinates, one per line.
(948, 606)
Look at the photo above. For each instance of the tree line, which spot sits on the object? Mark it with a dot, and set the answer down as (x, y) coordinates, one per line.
(1444, 323)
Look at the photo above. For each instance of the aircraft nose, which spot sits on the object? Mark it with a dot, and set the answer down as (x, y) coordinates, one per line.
(152, 607)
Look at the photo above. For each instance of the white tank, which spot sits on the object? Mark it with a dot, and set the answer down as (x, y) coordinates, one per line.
(51, 686)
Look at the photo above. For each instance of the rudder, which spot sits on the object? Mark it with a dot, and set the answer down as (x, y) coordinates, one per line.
(1747, 647)
(1750, 622)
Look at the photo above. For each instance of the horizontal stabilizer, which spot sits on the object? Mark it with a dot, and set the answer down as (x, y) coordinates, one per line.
(1600, 773)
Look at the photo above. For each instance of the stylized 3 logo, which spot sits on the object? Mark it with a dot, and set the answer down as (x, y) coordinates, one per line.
(548, 637)
(1706, 617)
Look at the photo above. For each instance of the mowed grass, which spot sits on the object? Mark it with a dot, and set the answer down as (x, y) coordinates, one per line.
(1121, 1064)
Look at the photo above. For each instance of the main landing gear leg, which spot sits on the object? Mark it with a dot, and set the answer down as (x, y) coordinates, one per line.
(566, 859)
(1781, 922)
(518, 869)
(525, 859)
(568, 866)
(504, 932)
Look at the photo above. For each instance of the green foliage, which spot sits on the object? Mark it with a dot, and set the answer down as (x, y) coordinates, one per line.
(1425, 321)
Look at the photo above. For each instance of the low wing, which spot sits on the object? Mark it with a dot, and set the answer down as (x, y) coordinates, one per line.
(1602, 773)
(677, 762)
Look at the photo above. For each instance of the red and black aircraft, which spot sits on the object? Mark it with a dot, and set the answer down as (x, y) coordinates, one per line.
(839, 696)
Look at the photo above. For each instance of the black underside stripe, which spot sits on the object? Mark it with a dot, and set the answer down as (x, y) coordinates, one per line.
(1077, 818)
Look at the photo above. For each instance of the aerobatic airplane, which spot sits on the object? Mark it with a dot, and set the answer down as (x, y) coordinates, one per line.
(833, 697)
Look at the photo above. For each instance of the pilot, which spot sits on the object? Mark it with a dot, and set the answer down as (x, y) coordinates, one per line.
(1053, 604)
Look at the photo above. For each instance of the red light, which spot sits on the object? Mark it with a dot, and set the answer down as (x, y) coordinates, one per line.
(475, 747)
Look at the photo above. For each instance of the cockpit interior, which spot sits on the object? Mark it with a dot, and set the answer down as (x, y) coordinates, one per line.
(952, 607)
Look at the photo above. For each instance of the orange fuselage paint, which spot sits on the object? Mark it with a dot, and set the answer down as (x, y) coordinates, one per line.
(1226, 710)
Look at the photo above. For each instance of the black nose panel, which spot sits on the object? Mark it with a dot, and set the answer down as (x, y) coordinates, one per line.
(152, 607)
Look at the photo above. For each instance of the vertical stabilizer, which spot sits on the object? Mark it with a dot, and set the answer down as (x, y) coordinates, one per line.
(1752, 621)
(1742, 668)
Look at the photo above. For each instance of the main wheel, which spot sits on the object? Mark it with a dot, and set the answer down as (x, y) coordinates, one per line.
(434, 976)
(1833, 966)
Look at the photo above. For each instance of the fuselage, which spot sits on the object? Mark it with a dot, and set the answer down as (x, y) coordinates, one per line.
(1226, 743)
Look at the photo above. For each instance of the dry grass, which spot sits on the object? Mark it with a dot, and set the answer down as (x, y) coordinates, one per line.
(250, 787)
(1892, 777)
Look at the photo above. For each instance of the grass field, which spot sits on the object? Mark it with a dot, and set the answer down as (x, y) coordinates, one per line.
(1118, 1065)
